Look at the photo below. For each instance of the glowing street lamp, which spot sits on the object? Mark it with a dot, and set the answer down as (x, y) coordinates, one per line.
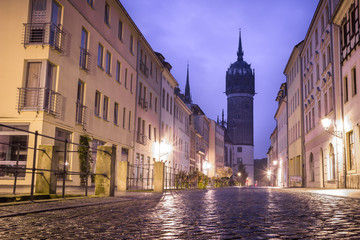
(327, 122)
(239, 174)
(275, 162)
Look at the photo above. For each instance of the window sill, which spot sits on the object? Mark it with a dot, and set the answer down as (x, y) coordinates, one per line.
(102, 69)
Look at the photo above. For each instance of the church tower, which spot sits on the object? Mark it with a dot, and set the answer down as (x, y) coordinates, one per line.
(240, 91)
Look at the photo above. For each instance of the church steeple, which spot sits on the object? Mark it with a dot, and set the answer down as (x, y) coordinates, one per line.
(240, 52)
(187, 87)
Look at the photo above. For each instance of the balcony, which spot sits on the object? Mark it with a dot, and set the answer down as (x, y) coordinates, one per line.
(44, 34)
(144, 69)
(81, 111)
(141, 138)
(143, 103)
(84, 59)
(39, 99)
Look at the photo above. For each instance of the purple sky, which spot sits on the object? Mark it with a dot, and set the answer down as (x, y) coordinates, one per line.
(206, 33)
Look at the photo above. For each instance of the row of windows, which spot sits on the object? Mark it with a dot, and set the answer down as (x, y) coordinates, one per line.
(293, 71)
(153, 101)
(353, 85)
(84, 61)
(294, 102)
(328, 107)
(350, 25)
(141, 129)
(294, 132)
(181, 145)
(309, 83)
(101, 109)
(166, 104)
(147, 71)
(108, 65)
(120, 27)
(323, 22)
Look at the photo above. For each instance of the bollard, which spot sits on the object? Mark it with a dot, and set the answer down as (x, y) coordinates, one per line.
(122, 175)
(105, 171)
(46, 182)
(159, 176)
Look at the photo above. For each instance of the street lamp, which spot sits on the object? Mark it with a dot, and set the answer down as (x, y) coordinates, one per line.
(268, 173)
(327, 122)
(275, 162)
(239, 174)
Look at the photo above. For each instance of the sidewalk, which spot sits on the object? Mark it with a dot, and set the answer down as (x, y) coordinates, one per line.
(348, 193)
(12, 209)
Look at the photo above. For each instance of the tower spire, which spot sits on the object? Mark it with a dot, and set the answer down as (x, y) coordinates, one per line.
(240, 52)
(187, 87)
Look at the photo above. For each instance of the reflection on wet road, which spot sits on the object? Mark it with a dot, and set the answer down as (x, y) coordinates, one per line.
(228, 213)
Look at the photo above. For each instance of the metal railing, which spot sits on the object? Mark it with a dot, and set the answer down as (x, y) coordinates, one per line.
(81, 111)
(39, 99)
(140, 177)
(144, 69)
(62, 171)
(84, 59)
(143, 103)
(44, 34)
(141, 138)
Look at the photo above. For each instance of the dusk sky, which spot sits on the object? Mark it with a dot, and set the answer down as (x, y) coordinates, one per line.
(205, 33)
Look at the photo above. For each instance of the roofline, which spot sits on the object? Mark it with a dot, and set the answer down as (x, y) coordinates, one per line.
(292, 53)
(181, 102)
(313, 20)
(141, 36)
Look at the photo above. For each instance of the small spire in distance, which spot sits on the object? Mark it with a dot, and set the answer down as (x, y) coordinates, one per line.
(187, 87)
(240, 52)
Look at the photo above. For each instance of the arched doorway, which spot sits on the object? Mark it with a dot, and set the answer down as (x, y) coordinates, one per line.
(312, 170)
(331, 163)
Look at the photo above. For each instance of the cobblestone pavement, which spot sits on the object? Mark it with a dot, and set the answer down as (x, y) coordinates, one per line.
(228, 213)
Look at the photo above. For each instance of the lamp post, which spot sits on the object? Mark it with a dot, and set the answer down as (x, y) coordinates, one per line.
(268, 173)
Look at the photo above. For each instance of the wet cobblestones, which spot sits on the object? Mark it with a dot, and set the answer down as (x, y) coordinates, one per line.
(229, 213)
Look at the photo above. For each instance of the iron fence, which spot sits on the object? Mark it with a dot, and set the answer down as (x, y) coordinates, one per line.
(175, 179)
(12, 166)
(140, 177)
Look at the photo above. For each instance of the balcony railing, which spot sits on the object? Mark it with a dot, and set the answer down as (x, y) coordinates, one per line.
(144, 69)
(81, 114)
(84, 59)
(143, 103)
(141, 138)
(39, 99)
(44, 34)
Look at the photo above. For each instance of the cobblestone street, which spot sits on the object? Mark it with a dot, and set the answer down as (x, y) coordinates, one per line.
(228, 213)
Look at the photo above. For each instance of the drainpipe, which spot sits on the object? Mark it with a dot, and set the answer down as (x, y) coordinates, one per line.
(342, 110)
(136, 98)
(160, 108)
(333, 90)
(303, 165)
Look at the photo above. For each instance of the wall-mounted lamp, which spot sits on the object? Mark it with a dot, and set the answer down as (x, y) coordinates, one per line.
(326, 122)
